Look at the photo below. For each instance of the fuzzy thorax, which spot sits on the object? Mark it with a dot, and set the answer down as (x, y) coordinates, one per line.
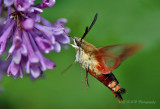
(86, 60)
(85, 55)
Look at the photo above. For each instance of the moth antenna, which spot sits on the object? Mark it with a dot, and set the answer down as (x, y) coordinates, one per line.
(88, 29)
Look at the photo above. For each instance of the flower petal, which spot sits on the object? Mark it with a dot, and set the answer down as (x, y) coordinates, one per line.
(8, 2)
(63, 38)
(48, 63)
(13, 69)
(35, 71)
(23, 50)
(4, 37)
(47, 31)
(31, 53)
(47, 3)
(58, 30)
(57, 47)
(21, 72)
(23, 5)
(60, 21)
(28, 24)
(28, 67)
(17, 57)
(44, 45)
(45, 22)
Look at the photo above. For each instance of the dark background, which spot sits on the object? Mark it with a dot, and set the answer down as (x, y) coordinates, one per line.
(119, 21)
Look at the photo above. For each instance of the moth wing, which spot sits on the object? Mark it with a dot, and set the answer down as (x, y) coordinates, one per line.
(112, 56)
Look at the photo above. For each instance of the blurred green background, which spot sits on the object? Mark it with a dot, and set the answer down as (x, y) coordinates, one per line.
(119, 21)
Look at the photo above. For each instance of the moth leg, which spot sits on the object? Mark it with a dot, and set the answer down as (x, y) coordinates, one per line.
(80, 65)
(81, 72)
(87, 84)
(68, 67)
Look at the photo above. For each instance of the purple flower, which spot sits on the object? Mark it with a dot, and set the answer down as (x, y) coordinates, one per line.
(28, 24)
(23, 5)
(28, 36)
(4, 37)
(8, 2)
(47, 3)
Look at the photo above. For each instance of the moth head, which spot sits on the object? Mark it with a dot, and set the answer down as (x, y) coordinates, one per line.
(77, 43)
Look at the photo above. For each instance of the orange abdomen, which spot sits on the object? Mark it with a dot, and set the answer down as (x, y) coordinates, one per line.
(111, 82)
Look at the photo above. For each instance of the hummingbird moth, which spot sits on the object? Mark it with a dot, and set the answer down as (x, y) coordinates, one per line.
(101, 61)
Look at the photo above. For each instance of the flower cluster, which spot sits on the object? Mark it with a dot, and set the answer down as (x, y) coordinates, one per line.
(28, 35)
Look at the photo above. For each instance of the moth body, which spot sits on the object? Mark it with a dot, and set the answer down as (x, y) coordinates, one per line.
(101, 61)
